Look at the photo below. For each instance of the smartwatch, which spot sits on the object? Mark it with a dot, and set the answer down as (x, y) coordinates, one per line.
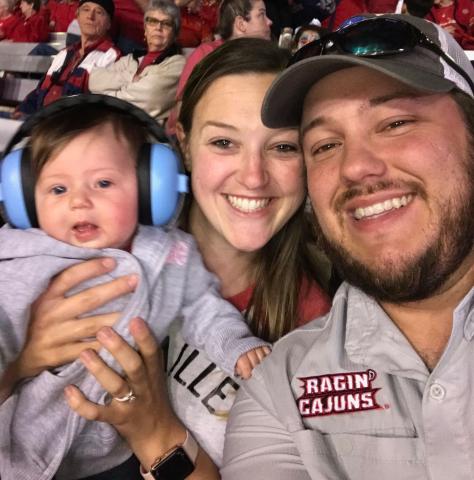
(177, 463)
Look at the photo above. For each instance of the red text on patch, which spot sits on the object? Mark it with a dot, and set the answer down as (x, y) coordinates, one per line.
(338, 393)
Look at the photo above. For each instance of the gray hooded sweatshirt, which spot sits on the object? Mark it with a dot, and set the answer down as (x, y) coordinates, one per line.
(40, 436)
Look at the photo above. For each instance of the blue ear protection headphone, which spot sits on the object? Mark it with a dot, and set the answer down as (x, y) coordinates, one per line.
(161, 181)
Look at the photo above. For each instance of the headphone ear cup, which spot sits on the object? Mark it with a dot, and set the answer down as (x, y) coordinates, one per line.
(18, 190)
(161, 184)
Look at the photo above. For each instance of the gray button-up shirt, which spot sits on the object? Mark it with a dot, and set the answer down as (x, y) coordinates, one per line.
(347, 397)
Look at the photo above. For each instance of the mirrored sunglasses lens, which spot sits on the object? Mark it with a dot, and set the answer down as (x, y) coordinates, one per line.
(377, 38)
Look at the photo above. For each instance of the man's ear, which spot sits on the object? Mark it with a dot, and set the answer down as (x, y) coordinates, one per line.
(183, 144)
(240, 26)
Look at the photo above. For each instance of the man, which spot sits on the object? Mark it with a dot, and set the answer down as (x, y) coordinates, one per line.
(69, 71)
(237, 18)
(380, 388)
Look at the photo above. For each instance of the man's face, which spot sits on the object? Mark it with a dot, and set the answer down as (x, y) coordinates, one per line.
(389, 181)
(94, 21)
(258, 24)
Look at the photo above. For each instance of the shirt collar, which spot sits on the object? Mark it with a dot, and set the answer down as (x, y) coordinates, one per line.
(373, 339)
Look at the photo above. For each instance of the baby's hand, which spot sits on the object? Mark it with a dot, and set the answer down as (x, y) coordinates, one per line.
(249, 360)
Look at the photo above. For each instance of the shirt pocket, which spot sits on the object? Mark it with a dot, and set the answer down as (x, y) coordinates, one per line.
(346, 456)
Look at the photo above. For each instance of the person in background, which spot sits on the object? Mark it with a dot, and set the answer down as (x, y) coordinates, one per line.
(198, 21)
(380, 388)
(345, 9)
(8, 19)
(148, 79)
(457, 17)
(127, 29)
(33, 24)
(307, 34)
(237, 18)
(246, 211)
(63, 12)
(70, 68)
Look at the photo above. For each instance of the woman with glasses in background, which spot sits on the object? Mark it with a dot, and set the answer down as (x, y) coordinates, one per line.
(148, 79)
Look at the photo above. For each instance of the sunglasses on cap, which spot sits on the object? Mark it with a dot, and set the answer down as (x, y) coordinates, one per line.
(375, 37)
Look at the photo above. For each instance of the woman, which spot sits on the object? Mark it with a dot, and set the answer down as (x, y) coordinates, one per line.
(147, 79)
(33, 24)
(8, 19)
(241, 173)
(248, 216)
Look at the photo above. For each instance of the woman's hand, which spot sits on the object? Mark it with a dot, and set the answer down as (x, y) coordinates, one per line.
(147, 423)
(56, 333)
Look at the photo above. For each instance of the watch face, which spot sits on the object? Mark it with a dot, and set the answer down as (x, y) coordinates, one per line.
(176, 466)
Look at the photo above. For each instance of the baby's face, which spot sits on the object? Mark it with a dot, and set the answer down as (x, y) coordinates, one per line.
(87, 195)
(307, 37)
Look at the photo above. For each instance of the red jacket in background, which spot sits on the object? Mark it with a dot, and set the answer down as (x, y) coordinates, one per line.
(344, 10)
(348, 8)
(32, 29)
(128, 21)
(8, 26)
(62, 14)
(195, 29)
(457, 19)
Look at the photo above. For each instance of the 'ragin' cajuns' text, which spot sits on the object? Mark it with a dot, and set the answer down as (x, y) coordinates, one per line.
(337, 393)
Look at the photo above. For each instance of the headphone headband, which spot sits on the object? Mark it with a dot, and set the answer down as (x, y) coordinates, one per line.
(65, 103)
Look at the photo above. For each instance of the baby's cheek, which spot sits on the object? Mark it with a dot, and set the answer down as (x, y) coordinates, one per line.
(126, 220)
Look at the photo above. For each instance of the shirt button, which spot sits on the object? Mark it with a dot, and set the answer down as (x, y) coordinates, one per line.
(437, 392)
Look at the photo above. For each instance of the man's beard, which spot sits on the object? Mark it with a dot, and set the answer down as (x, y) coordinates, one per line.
(420, 276)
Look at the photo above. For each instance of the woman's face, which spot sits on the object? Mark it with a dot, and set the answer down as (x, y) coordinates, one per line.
(159, 31)
(247, 179)
(26, 8)
(3, 9)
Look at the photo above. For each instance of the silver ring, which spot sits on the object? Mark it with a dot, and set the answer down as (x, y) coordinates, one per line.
(130, 397)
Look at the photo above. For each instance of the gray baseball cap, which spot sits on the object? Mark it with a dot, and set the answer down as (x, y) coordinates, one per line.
(420, 68)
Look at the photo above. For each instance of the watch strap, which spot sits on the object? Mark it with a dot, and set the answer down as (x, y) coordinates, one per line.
(189, 445)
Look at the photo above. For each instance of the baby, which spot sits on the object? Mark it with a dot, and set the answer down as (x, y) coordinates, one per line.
(84, 160)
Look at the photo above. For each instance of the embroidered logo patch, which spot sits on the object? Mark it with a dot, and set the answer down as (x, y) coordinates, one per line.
(338, 393)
